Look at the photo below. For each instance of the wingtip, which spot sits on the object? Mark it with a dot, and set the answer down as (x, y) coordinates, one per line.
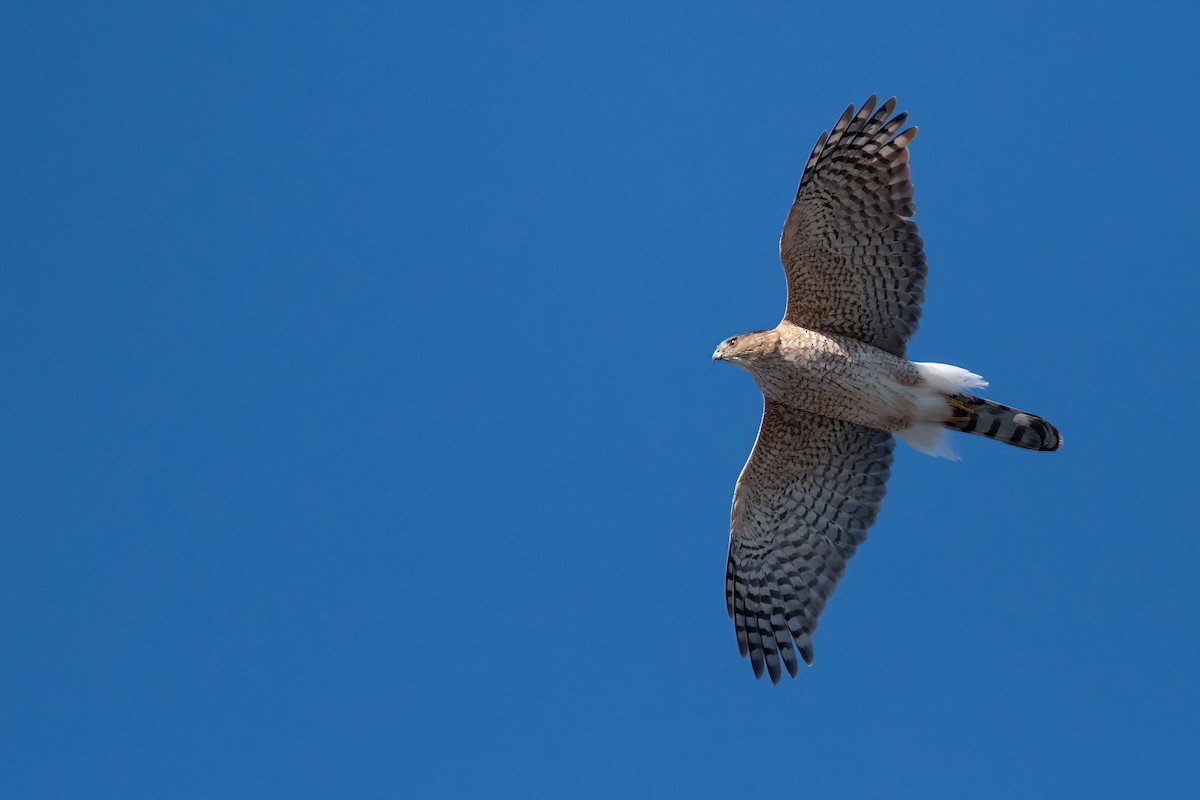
(789, 660)
(865, 111)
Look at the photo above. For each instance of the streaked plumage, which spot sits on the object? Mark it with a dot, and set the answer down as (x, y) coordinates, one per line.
(836, 385)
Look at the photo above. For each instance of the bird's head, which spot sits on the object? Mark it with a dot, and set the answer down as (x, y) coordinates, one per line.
(748, 349)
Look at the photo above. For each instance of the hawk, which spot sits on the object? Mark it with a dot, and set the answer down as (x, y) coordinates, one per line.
(837, 385)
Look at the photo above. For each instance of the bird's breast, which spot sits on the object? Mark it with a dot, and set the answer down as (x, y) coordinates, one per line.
(840, 377)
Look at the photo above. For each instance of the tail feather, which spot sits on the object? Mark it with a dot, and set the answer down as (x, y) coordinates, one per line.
(981, 417)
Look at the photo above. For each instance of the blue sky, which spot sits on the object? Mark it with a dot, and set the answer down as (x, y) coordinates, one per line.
(362, 439)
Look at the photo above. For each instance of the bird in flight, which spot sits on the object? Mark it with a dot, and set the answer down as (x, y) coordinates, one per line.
(837, 385)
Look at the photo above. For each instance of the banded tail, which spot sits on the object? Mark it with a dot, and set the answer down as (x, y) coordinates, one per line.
(981, 417)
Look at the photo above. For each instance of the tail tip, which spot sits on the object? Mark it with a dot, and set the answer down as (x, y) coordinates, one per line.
(1050, 438)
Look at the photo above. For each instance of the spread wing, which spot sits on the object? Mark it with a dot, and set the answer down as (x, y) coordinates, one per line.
(809, 491)
(852, 257)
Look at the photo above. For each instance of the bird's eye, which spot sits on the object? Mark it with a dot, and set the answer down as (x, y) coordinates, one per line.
(732, 342)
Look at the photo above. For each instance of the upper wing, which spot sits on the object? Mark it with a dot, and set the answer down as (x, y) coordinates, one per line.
(852, 258)
(809, 491)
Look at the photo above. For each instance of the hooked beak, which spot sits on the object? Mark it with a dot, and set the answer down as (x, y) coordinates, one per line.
(717, 355)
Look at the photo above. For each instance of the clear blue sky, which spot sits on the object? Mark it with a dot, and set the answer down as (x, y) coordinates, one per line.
(361, 438)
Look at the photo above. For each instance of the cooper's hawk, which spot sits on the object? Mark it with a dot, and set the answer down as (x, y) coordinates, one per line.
(836, 385)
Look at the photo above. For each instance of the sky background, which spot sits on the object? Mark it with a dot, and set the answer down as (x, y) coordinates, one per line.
(361, 437)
